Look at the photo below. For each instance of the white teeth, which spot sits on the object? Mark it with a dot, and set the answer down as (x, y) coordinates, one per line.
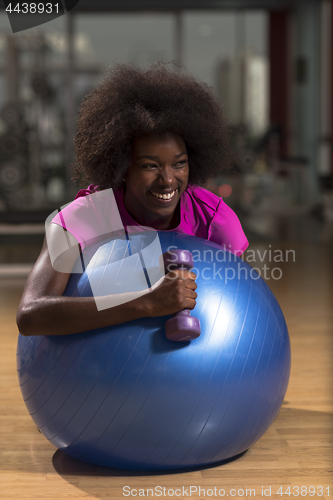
(164, 196)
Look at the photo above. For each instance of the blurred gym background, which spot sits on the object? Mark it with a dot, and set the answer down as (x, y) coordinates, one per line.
(269, 61)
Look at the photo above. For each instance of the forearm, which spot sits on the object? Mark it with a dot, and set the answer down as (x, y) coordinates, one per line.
(50, 315)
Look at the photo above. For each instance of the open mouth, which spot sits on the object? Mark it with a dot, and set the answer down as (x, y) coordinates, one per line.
(164, 196)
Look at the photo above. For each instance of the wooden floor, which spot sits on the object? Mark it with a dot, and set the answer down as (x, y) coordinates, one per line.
(296, 451)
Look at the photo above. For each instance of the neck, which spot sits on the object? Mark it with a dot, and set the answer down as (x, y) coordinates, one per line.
(158, 223)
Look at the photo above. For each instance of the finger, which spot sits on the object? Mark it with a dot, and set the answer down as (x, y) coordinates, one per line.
(183, 273)
(191, 294)
(186, 274)
(189, 304)
(179, 274)
(191, 284)
(173, 275)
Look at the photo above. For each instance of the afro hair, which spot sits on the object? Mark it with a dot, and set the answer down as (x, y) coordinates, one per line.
(130, 102)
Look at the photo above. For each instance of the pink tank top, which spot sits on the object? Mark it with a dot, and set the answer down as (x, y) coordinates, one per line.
(202, 214)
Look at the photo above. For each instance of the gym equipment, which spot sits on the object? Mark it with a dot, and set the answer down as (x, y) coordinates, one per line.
(182, 327)
(127, 397)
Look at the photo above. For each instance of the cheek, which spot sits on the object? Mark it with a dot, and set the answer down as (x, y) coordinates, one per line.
(185, 177)
(140, 183)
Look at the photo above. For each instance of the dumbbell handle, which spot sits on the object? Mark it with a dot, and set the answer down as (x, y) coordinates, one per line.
(182, 327)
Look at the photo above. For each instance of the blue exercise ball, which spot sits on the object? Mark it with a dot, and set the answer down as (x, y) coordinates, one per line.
(127, 397)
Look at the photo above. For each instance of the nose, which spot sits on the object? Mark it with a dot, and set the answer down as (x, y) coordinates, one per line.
(167, 176)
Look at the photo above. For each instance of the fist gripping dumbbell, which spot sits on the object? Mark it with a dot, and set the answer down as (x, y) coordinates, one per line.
(182, 327)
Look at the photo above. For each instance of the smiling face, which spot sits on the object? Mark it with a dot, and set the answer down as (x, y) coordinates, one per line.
(156, 179)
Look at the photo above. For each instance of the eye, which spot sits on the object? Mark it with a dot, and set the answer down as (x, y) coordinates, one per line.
(181, 163)
(148, 166)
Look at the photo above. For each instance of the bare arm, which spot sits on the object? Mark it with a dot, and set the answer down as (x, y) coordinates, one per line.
(44, 311)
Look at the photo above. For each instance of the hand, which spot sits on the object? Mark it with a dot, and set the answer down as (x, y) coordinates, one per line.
(176, 292)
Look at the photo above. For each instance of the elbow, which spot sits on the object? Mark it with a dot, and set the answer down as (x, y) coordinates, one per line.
(25, 323)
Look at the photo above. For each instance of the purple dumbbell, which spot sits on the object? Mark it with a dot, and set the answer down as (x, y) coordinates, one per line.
(182, 327)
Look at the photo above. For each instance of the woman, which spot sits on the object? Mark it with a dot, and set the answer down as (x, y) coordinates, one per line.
(153, 137)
